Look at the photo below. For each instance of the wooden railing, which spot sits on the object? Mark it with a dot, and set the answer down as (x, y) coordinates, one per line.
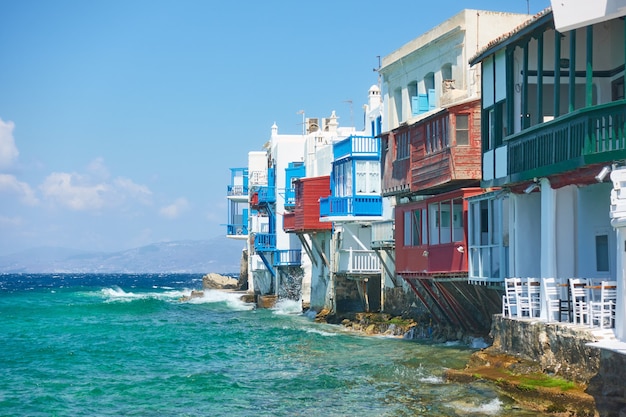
(357, 145)
(351, 206)
(589, 131)
(354, 261)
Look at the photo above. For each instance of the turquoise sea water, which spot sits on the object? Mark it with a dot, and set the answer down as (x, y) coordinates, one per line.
(123, 345)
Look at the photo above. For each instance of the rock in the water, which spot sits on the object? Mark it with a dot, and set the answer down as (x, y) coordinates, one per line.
(215, 281)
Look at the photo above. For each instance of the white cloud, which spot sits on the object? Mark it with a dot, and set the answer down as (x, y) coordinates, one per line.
(92, 191)
(98, 169)
(8, 150)
(10, 184)
(175, 209)
(74, 191)
(140, 192)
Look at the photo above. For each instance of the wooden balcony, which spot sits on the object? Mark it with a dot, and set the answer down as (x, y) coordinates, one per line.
(383, 234)
(306, 212)
(361, 146)
(351, 206)
(289, 222)
(288, 257)
(265, 242)
(584, 137)
(358, 262)
(236, 229)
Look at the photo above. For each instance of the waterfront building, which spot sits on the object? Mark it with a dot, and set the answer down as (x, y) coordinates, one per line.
(553, 126)
(301, 219)
(238, 207)
(431, 163)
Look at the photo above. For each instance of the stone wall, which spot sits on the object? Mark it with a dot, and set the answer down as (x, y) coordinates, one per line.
(563, 349)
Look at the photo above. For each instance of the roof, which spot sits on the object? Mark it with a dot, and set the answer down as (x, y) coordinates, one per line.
(520, 31)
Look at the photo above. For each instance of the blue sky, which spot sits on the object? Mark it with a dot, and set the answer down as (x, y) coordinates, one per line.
(119, 120)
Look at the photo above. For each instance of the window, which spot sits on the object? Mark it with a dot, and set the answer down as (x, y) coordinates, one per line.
(413, 222)
(403, 145)
(488, 238)
(367, 177)
(437, 134)
(602, 253)
(462, 129)
(342, 176)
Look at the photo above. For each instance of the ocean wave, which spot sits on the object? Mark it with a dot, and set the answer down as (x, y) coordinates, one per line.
(321, 332)
(492, 408)
(231, 299)
(116, 293)
(287, 307)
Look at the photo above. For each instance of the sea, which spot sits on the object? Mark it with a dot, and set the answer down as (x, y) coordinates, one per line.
(126, 345)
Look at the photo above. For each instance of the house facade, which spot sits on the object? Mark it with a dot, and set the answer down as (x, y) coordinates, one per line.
(553, 123)
(432, 162)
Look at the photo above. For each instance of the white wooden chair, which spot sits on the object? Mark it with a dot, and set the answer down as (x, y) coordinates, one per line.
(532, 292)
(552, 301)
(579, 297)
(603, 310)
(510, 307)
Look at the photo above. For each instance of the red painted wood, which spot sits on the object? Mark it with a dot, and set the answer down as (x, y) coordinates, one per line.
(306, 212)
(432, 259)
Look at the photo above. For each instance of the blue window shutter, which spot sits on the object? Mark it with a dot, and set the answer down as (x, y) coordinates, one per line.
(423, 103)
(379, 125)
(415, 105)
(431, 99)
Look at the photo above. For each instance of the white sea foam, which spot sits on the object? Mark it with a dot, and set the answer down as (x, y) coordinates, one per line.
(432, 379)
(288, 307)
(321, 332)
(492, 408)
(117, 294)
(231, 299)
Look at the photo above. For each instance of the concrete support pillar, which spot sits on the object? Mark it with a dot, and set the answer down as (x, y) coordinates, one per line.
(548, 229)
(620, 306)
(548, 237)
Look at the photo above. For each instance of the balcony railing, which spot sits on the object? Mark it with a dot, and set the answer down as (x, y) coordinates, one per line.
(288, 257)
(266, 195)
(237, 190)
(264, 242)
(237, 229)
(383, 234)
(351, 206)
(353, 261)
(290, 198)
(591, 131)
(357, 146)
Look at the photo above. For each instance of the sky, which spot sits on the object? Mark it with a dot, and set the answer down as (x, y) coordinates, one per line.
(120, 119)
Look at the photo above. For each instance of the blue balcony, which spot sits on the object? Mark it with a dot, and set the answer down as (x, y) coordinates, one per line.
(265, 242)
(237, 190)
(351, 206)
(266, 195)
(357, 146)
(236, 229)
(294, 171)
(238, 182)
(288, 257)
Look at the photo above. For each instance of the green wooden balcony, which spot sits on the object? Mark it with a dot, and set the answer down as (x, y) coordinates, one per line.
(587, 136)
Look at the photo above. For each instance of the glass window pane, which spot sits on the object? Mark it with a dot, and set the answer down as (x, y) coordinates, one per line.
(445, 230)
(457, 220)
(407, 228)
(433, 230)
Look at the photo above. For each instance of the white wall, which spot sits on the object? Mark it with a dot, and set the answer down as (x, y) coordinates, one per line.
(527, 231)
(593, 219)
(566, 231)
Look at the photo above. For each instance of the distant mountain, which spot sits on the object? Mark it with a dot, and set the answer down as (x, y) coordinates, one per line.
(220, 254)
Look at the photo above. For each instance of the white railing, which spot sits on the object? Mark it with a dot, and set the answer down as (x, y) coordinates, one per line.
(382, 231)
(354, 261)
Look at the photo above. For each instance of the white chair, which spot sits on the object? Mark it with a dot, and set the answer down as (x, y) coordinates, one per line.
(603, 310)
(579, 297)
(552, 301)
(532, 292)
(510, 298)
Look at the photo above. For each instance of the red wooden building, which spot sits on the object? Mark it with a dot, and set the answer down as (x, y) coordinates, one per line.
(431, 166)
(306, 212)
